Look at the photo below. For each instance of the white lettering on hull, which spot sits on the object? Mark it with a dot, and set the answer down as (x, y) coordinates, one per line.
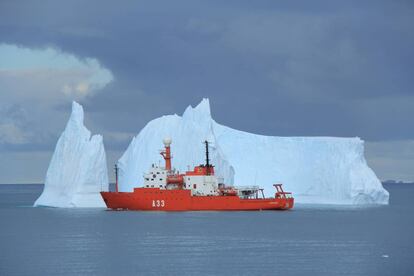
(158, 203)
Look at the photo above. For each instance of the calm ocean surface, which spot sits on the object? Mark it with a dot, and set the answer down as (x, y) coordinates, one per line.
(308, 240)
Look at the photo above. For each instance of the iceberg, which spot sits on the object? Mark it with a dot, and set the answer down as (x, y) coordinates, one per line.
(187, 133)
(78, 169)
(318, 170)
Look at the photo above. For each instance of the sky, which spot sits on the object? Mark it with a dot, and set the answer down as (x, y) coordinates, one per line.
(280, 68)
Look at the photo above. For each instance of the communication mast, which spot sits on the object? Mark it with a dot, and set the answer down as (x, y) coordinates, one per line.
(116, 177)
(207, 158)
(166, 153)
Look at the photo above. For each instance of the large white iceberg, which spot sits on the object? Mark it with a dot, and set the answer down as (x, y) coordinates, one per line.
(78, 169)
(187, 133)
(322, 170)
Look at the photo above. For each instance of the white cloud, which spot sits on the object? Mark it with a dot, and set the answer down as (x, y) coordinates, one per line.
(35, 82)
(48, 76)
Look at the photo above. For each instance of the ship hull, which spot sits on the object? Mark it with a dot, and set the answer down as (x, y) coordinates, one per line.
(154, 199)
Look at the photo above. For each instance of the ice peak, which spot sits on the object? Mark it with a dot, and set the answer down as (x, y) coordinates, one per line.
(77, 113)
(201, 111)
(75, 123)
(203, 106)
(77, 171)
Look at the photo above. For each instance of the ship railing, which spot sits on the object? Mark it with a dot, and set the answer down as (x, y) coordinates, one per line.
(247, 188)
(284, 195)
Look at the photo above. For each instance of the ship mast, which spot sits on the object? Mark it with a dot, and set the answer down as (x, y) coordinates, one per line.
(166, 153)
(116, 177)
(207, 159)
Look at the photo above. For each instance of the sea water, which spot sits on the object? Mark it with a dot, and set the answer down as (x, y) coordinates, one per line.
(308, 240)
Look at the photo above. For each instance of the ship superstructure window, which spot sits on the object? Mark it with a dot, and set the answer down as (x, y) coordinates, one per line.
(194, 186)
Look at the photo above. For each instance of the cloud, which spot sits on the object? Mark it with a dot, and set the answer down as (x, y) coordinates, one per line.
(11, 134)
(269, 67)
(310, 57)
(38, 82)
(48, 76)
(12, 124)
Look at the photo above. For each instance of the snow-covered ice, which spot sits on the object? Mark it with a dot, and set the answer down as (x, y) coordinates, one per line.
(323, 170)
(78, 169)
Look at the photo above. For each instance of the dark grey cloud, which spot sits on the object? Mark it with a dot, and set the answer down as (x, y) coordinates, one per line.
(330, 68)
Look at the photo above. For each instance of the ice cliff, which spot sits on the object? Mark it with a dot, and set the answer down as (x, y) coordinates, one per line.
(78, 169)
(322, 170)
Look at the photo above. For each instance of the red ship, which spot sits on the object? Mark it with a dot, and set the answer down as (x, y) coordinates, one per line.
(165, 189)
